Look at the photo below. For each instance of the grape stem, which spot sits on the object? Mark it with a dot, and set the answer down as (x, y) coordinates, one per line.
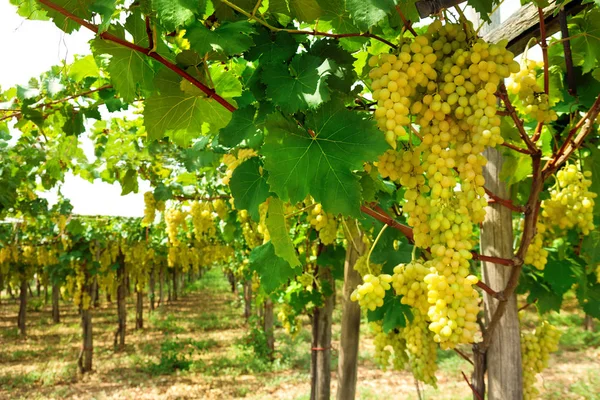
(210, 93)
(471, 386)
(407, 23)
(503, 95)
(490, 291)
(463, 355)
(516, 148)
(383, 228)
(506, 203)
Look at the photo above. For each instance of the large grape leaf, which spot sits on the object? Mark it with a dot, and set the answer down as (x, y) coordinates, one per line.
(228, 39)
(367, 13)
(173, 112)
(249, 187)
(588, 295)
(279, 232)
(130, 71)
(104, 8)
(561, 274)
(240, 127)
(320, 158)
(483, 7)
(270, 48)
(302, 10)
(176, 13)
(335, 12)
(586, 46)
(273, 270)
(299, 86)
(30, 9)
(79, 8)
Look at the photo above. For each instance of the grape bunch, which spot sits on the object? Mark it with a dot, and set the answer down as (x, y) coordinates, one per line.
(174, 218)
(324, 223)
(535, 352)
(232, 162)
(408, 282)
(149, 209)
(202, 219)
(421, 348)
(370, 294)
(531, 98)
(536, 254)
(363, 268)
(571, 203)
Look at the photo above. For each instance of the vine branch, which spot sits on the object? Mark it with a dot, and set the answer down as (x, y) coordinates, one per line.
(407, 23)
(147, 51)
(503, 95)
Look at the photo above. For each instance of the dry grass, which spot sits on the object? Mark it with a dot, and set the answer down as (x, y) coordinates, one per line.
(42, 366)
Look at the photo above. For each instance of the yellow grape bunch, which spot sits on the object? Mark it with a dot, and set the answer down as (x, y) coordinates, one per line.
(571, 203)
(324, 223)
(232, 162)
(174, 218)
(370, 294)
(202, 219)
(532, 100)
(535, 352)
(441, 86)
(363, 268)
(536, 255)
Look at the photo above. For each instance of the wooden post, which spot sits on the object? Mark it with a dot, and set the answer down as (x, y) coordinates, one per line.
(152, 285)
(87, 350)
(269, 327)
(119, 342)
(55, 303)
(247, 299)
(321, 350)
(503, 357)
(139, 312)
(22, 307)
(348, 356)
(175, 278)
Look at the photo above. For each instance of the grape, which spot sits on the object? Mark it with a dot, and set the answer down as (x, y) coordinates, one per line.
(408, 282)
(571, 203)
(532, 101)
(535, 351)
(324, 223)
(536, 255)
(174, 218)
(370, 294)
(149, 209)
(202, 219)
(232, 162)
(421, 349)
(289, 320)
(361, 266)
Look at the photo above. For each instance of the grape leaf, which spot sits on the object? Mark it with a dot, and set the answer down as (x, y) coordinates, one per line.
(130, 71)
(588, 295)
(516, 167)
(104, 8)
(547, 299)
(73, 125)
(279, 232)
(30, 9)
(79, 8)
(82, 68)
(483, 7)
(392, 313)
(590, 247)
(322, 166)
(129, 183)
(561, 274)
(269, 51)
(299, 86)
(174, 113)
(334, 258)
(249, 187)
(228, 39)
(592, 163)
(367, 13)
(273, 270)
(305, 10)
(173, 14)
(587, 46)
(240, 127)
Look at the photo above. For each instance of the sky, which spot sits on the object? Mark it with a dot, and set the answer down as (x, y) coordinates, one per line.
(29, 48)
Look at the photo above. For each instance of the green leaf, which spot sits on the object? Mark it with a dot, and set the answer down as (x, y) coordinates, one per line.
(240, 127)
(516, 167)
(588, 295)
(249, 187)
(162, 192)
(104, 8)
(272, 49)
(228, 39)
(590, 248)
(333, 257)
(130, 71)
(174, 14)
(322, 166)
(587, 46)
(179, 115)
(367, 13)
(592, 163)
(547, 299)
(129, 183)
(561, 274)
(305, 10)
(30, 9)
(393, 313)
(279, 232)
(79, 8)
(273, 270)
(299, 86)
(74, 122)
(387, 253)
(483, 7)
(82, 68)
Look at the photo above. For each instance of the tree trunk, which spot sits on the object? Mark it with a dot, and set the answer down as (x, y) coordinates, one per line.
(175, 279)
(87, 350)
(119, 342)
(161, 285)
(268, 328)
(348, 356)
(503, 358)
(588, 323)
(139, 312)
(321, 351)
(38, 286)
(152, 284)
(22, 307)
(247, 299)
(10, 292)
(46, 294)
(55, 303)
(95, 295)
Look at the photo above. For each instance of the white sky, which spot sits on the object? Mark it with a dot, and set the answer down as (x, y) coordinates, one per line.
(31, 47)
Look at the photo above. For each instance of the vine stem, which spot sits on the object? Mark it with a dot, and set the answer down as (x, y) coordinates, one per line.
(503, 95)
(544, 46)
(147, 51)
(304, 32)
(407, 23)
(564, 30)
(463, 355)
(471, 386)
(506, 203)
(489, 290)
(516, 148)
(383, 228)
(16, 113)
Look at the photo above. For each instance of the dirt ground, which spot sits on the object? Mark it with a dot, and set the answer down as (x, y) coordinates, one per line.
(207, 328)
